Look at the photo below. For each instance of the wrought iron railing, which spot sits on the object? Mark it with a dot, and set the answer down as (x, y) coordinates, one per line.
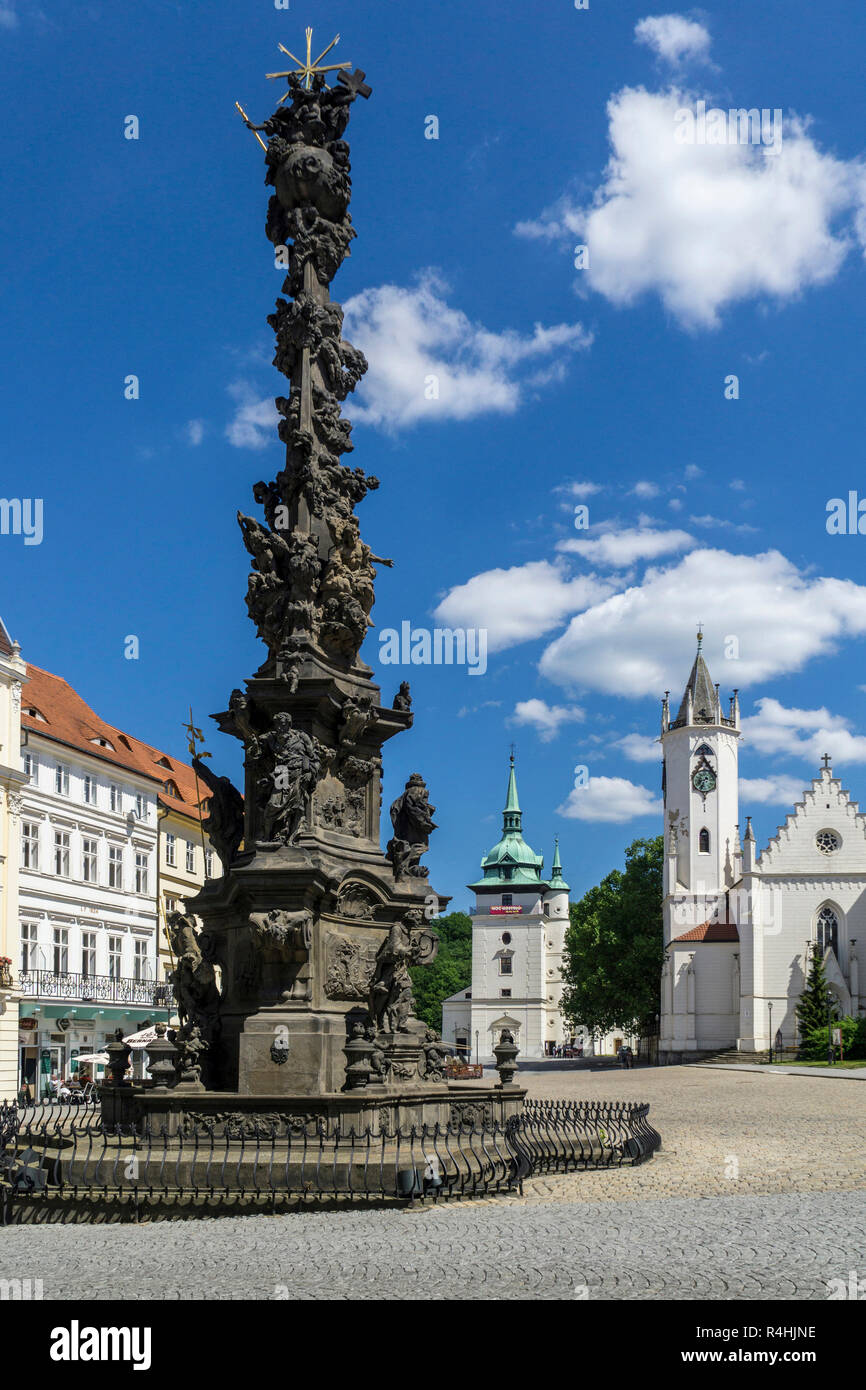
(62, 1161)
(95, 989)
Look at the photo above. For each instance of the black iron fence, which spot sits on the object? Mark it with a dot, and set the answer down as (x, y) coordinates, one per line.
(61, 1162)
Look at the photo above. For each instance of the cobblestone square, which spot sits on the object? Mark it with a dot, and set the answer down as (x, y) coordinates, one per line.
(759, 1192)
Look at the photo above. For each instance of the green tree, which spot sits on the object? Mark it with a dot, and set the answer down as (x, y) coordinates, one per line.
(812, 1004)
(613, 946)
(451, 970)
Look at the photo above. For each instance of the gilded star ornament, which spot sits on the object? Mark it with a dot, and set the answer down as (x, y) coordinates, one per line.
(308, 69)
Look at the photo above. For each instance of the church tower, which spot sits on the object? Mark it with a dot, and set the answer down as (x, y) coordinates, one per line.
(700, 749)
(519, 923)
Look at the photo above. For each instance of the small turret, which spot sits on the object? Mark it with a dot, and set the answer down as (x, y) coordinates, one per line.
(557, 882)
(749, 848)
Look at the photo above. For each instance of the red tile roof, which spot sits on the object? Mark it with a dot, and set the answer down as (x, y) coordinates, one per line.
(710, 931)
(67, 719)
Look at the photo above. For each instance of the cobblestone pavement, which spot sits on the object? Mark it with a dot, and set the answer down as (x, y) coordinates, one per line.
(760, 1192)
(724, 1133)
(782, 1247)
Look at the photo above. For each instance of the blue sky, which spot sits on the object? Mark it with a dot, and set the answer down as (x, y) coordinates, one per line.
(149, 257)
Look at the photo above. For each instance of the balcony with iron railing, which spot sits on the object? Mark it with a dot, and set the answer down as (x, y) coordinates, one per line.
(95, 989)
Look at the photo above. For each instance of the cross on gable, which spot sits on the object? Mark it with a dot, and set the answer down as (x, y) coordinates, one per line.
(355, 82)
(826, 762)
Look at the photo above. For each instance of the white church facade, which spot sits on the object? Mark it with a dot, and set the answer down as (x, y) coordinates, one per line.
(739, 926)
(519, 923)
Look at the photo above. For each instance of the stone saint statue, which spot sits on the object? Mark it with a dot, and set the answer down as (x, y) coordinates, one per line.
(412, 819)
(391, 1001)
(224, 825)
(193, 977)
(291, 770)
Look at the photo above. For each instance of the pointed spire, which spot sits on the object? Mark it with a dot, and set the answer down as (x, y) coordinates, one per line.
(512, 817)
(511, 861)
(700, 699)
(557, 882)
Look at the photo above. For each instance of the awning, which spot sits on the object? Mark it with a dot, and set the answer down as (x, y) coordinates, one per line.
(142, 1039)
(95, 1016)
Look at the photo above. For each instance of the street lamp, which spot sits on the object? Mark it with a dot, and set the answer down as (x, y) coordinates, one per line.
(830, 1057)
(770, 1012)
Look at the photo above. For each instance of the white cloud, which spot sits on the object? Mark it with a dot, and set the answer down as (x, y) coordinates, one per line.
(692, 471)
(717, 522)
(545, 719)
(475, 709)
(645, 489)
(194, 431)
(642, 640)
(640, 748)
(520, 603)
(412, 335)
(674, 38)
(579, 489)
(705, 226)
(808, 733)
(620, 549)
(771, 791)
(254, 423)
(611, 799)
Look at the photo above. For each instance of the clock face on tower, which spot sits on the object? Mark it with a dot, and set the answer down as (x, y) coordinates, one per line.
(704, 780)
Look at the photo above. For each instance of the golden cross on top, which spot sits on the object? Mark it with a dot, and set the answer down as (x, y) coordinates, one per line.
(312, 65)
(195, 736)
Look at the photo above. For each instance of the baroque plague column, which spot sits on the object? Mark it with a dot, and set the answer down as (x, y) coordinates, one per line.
(296, 997)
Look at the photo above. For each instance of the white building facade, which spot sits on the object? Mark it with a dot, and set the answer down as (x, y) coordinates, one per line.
(739, 927)
(12, 677)
(519, 923)
(87, 887)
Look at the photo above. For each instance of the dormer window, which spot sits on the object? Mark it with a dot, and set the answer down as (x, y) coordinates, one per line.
(33, 713)
(170, 788)
(103, 743)
(164, 762)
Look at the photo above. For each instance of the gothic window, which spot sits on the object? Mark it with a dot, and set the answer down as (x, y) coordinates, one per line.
(704, 842)
(827, 930)
(827, 841)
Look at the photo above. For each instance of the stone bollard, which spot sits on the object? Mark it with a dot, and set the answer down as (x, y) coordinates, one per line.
(358, 1051)
(505, 1052)
(162, 1066)
(119, 1054)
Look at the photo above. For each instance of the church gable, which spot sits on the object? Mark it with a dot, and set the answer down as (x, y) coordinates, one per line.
(824, 836)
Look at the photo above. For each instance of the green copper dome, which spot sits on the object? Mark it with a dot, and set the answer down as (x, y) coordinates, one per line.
(511, 862)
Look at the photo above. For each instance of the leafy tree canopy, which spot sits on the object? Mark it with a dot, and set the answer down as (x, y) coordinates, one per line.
(613, 946)
(451, 970)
